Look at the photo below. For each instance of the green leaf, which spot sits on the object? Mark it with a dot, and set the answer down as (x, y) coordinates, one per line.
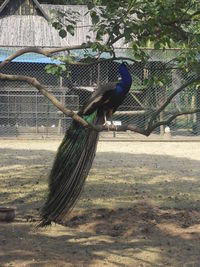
(146, 81)
(157, 45)
(95, 17)
(135, 47)
(70, 29)
(63, 67)
(160, 83)
(48, 69)
(99, 35)
(62, 33)
(127, 33)
(57, 25)
(90, 5)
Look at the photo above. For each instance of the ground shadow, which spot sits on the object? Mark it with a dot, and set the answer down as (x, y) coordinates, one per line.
(135, 210)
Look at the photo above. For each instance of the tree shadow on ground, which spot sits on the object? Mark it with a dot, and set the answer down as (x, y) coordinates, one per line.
(122, 178)
(139, 236)
(135, 210)
(24, 176)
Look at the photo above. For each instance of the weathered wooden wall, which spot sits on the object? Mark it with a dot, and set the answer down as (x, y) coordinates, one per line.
(35, 30)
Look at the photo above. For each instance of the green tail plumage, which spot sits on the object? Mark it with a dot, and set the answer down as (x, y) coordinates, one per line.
(70, 169)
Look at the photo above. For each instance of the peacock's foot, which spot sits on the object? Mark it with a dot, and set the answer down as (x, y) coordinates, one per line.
(107, 124)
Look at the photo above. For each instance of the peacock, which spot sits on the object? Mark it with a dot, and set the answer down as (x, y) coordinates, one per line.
(77, 151)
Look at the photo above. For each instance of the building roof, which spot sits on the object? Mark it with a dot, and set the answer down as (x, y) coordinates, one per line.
(35, 2)
(24, 31)
(35, 30)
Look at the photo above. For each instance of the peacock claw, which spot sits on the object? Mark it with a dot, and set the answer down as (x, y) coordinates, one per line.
(107, 125)
(115, 127)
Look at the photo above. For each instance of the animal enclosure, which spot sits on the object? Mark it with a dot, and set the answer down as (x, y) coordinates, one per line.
(24, 112)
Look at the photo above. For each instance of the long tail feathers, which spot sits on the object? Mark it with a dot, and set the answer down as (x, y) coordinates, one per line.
(70, 169)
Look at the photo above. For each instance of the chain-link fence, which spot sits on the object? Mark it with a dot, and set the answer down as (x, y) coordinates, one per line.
(24, 112)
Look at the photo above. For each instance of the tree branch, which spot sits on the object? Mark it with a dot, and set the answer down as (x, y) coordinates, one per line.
(49, 52)
(150, 128)
(45, 52)
(44, 91)
(158, 111)
(97, 61)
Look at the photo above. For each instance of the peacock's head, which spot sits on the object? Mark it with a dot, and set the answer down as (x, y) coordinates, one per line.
(123, 68)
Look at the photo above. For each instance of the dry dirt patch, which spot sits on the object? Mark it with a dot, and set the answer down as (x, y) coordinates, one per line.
(140, 207)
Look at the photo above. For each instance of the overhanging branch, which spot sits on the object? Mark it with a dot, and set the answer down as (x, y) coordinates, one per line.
(148, 130)
(44, 91)
(50, 52)
(41, 51)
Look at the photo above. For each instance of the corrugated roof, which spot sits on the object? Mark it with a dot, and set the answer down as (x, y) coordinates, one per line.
(26, 58)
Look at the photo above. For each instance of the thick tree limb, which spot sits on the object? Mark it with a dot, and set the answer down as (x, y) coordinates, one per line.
(148, 130)
(43, 90)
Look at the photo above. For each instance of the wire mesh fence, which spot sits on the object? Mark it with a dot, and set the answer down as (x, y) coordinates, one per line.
(24, 112)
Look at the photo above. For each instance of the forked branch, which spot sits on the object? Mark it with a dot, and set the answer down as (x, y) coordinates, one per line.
(69, 113)
(181, 88)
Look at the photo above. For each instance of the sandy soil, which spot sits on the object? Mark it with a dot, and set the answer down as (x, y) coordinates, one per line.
(140, 207)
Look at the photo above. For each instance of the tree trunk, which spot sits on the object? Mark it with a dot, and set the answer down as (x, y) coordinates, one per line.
(198, 113)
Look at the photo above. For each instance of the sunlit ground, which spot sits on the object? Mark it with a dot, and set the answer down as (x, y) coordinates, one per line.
(140, 207)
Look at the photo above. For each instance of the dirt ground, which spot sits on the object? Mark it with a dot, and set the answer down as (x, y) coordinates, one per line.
(140, 207)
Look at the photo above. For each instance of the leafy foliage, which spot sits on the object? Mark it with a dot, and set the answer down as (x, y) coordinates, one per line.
(156, 23)
(67, 25)
(70, 2)
(162, 23)
(62, 66)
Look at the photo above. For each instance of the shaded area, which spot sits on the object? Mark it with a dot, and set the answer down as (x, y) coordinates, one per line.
(139, 236)
(135, 210)
(24, 175)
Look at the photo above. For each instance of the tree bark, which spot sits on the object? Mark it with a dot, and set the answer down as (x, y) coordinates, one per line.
(198, 113)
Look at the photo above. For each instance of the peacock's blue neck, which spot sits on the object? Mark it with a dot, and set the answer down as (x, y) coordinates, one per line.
(126, 80)
(124, 85)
